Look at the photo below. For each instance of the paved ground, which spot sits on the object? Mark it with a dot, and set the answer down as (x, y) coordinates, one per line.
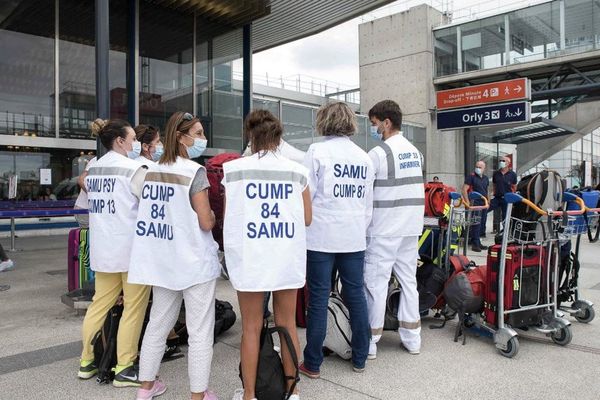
(40, 344)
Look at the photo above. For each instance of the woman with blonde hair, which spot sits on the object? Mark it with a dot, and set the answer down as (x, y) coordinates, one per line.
(268, 207)
(113, 186)
(340, 180)
(174, 251)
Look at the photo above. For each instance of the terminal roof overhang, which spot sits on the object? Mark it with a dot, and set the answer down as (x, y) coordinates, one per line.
(274, 22)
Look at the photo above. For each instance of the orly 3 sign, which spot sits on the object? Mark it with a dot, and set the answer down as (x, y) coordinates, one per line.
(495, 114)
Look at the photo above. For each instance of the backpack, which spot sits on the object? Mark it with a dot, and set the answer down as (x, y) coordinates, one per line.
(216, 192)
(105, 345)
(544, 189)
(437, 198)
(271, 381)
(339, 334)
(464, 293)
(224, 317)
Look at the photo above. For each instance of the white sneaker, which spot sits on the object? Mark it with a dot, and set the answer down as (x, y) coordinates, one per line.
(239, 395)
(294, 397)
(7, 265)
(414, 352)
(372, 351)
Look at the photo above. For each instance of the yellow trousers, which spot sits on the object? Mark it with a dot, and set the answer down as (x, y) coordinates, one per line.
(135, 301)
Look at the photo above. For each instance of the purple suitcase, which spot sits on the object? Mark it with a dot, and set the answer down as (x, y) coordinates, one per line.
(73, 260)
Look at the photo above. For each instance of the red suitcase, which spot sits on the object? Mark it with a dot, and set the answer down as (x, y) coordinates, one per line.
(524, 283)
(73, 260)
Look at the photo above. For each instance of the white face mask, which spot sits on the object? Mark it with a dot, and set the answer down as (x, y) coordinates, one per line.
(136, 149)
(478, 171)
(502, 164)
(375, 134)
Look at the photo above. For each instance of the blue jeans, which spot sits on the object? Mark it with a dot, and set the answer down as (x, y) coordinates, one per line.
(318, 278)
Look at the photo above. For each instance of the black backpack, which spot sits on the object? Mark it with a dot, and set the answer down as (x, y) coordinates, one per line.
(105, 345)
(544, 189)
(271, 381)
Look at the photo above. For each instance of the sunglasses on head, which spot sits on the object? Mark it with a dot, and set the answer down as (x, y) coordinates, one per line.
(186, 117)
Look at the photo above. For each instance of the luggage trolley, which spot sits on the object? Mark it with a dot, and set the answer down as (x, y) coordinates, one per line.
(522, 233)
(568, 278)
(461, 217)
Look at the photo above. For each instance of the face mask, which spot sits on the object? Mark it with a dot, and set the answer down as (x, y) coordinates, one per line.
(478, 171)
(197, 148)
(158, 152)
(375, 133)
(502, 164)
(135, 151)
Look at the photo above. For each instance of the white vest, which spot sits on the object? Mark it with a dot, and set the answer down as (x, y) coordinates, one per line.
(112, 209)
(340, 179)
(264, 233)
(398, 193)
(169, 248)
(145, 161)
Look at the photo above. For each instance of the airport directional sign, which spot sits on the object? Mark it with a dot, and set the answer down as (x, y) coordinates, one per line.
(495, 114)
(496, 92)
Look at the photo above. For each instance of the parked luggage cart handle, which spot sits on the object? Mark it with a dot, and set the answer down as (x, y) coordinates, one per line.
(476, 196)
(517, 198)
(454, 196)
(571, 197)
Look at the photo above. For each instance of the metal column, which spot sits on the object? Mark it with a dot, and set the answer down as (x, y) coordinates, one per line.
(102, 50)
(247, 68)
(133, 63)
(507, 40)
(459, 60)
(562, 24)
(57, 118)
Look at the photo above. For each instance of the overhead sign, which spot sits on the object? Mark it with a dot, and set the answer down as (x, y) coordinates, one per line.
(495, 114)
(497, 92)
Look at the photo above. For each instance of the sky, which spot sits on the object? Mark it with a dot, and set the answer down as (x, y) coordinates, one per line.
(332, 55)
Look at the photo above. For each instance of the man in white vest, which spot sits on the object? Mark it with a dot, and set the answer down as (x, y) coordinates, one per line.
(398, 209)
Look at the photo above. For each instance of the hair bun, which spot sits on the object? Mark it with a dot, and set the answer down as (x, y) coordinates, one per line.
(97, 125)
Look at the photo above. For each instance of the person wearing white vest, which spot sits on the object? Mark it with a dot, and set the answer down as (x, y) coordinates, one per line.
(82, 199)
(113, 186)
(392, 237)
(174, 251)
(267, 209)
(151, 146)
(285, 149)
(340, 180)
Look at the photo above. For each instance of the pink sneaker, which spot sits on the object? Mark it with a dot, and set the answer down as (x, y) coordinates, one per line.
(208, 395)
(148, 394)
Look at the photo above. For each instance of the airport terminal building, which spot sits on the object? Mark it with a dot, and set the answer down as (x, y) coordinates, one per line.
(66, 62)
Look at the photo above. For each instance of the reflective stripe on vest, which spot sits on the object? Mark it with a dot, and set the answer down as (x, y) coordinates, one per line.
(266, 175)
(392, 181)
(167, 177)
(111, 171)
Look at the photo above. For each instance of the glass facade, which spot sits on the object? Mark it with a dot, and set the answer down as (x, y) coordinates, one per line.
(528, 34)
(569, 162)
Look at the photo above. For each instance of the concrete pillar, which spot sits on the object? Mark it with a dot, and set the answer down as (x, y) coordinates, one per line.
(396, 59)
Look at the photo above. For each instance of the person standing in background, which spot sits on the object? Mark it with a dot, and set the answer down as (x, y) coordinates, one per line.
(504, 181)
(477, 182)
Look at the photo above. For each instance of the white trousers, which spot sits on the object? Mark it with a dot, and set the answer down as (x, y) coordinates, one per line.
(399, 255)
(200, 322)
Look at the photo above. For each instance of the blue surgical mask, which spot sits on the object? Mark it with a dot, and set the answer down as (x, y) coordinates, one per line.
(502, 164)
(478, 171)
(375, 133)
(197, 148)
(135, 151)
(158, 152)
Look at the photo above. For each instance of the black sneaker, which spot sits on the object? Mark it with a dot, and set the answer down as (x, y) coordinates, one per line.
(88, 371)
(483, 247)
(476, 249)
(127, 378)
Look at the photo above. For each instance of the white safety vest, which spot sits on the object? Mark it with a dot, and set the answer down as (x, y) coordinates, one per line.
(285, 149)
(398, 193)
(82, 198)
(169, 248)
(264, 233)
(112, 211)
(145, 161)
(340, 180)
